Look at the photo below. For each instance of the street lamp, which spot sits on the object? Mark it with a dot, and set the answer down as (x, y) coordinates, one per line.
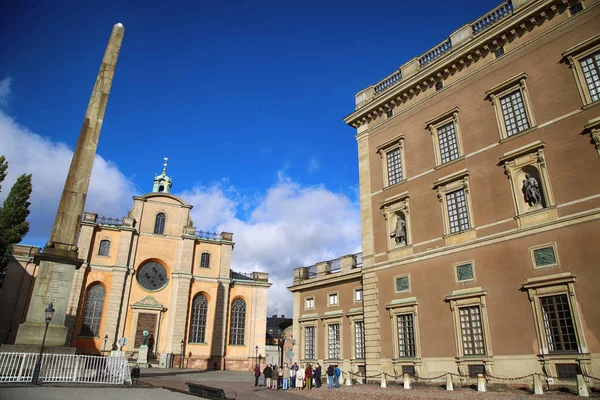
(38, 365)
(256, 358)
(104, 345)
(182, 355)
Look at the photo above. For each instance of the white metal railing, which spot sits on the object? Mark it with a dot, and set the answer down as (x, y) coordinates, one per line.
(18, 367)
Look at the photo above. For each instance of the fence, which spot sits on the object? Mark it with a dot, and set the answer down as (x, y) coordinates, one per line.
(18, 367)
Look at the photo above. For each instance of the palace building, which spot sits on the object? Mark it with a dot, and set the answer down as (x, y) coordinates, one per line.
(153, 270)
(480, 208)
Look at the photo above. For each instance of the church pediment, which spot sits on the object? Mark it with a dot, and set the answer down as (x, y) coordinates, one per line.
(148, 302)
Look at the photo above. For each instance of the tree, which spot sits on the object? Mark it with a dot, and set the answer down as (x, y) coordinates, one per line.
(13, 215)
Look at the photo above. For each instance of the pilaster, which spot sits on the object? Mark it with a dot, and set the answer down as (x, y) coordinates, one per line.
(221, 318)
(180, 294)
(371, 318)
(225, 265)
(296, 325)
(114, 304)
(366, 209)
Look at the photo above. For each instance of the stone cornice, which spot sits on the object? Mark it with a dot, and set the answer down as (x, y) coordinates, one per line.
(326, 280)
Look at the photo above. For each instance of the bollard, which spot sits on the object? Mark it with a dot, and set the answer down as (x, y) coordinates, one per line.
(406, 381)
(481, 383)
(349, 379)
(383, 382)
(449, 383)
(582, 389)
(537, 384)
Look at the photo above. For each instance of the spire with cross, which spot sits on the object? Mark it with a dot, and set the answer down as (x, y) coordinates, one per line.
(162, 183)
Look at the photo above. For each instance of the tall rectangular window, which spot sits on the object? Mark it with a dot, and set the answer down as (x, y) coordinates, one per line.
(448, 143)
(309, 343)
(394, 166)
(471, 331)
(558, 323)
(333, 299)
(406, 336)
(334, 341)
(359, 328)
(590, 66)
(515, 115)
(458, 215)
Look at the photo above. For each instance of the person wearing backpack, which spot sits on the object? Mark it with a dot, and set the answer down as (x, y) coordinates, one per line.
(336, 374)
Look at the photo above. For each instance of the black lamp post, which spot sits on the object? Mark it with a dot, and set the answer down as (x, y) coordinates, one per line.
(256, 358)
(38, 365)
(104, 345)
(182, 355)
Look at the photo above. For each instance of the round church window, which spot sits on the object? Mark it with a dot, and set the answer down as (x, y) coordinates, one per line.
(152, 276)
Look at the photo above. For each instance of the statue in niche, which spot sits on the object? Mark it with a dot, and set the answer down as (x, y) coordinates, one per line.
(399, 234)
(531, 191)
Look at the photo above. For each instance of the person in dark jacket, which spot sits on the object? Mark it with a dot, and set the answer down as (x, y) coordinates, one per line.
(336, 376)
(330, 372)
(317, 374)
(268, 372)
(308, 374)
(256, 374)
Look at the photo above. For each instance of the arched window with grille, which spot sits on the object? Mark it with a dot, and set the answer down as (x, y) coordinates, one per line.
(238, 322)
(94, 303)
(159, 224)
(205, 260)
(198, 319)
(104, 249)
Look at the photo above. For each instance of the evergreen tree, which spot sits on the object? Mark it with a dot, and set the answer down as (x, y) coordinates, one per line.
(13, 215)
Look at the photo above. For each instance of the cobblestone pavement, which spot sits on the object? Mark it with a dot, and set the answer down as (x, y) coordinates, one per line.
(81, 393)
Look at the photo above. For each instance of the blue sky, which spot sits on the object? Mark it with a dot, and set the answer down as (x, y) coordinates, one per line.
(245, 98)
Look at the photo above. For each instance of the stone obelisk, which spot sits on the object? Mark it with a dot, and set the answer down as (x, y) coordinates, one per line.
(59, 259)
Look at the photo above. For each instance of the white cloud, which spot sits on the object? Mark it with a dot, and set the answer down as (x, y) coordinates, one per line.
(5, 89)
(109, 192)
(291, 226)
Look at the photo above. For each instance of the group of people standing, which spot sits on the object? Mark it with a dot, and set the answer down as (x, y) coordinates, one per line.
(296, 376)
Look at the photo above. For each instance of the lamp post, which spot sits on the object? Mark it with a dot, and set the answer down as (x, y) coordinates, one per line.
(104, 345)
(38, 365)
(256, 357)
(182, 355)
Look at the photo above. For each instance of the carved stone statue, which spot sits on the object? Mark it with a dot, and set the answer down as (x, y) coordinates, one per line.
(145, 337)
(531, 191)
(399, 234)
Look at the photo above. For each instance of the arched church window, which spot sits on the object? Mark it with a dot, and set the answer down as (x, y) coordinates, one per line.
(238, 322)
(94, 304)
(104, 249)
(205, 260)
(198, 319)
(159, 224)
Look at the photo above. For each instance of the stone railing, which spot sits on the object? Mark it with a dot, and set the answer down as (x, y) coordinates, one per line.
(388, 82)
(208, 235)
(456, 39)
(503, 10)
(109, 221)
(436, 52)
(338, 265)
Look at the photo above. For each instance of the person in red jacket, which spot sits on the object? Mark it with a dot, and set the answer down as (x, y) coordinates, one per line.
(256, 374)
(308, 375)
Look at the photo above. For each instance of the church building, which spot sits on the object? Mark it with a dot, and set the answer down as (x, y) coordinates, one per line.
(152, 270)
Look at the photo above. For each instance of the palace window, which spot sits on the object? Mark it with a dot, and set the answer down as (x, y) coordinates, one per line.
(334, 341)
(94, 304)
(392, 156)
(584, 59)
(309, 303)
(104, 249)
(406, 335)
(159, 224)
(358, 295)
(238, 322)
(499, 52)
(576, 7)
(512, 105)
(445, 132)
(309, 343)
(205, 260)
(333, 299)
(471, 331)
(359, 339)
(198, 319)
(558, 324)
(454, 195)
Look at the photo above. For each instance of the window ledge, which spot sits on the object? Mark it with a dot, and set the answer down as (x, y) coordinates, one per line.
(516, 135)
(102, 255)
(87, 337)
(590, 105)
(404, 180)
(200, 343)
(456, 160)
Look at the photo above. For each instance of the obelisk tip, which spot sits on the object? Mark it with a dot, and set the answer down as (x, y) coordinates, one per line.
(119, 25)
